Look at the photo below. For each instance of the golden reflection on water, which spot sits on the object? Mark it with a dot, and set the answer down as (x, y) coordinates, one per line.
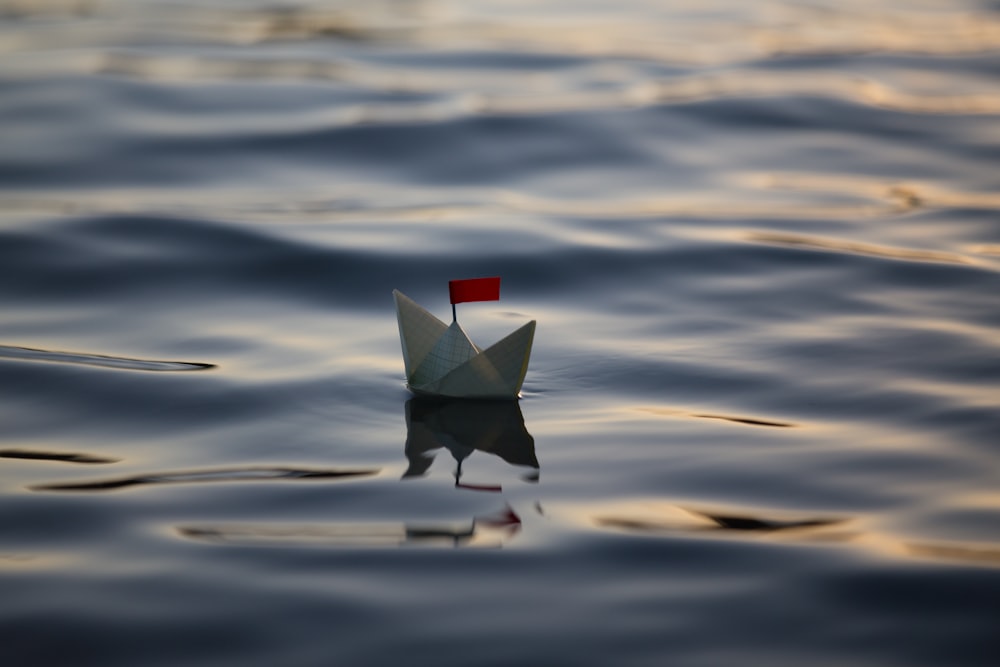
(986, 249)
(490, 93)
(685, 36)
(856, 248)
(480, 532)
(828, 197)
(909, 196)
(661, 518)
(958, 553)
(893, 547)
(21, 561)
(703, 33)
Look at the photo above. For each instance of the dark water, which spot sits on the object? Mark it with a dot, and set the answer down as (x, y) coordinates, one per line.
(760, 425)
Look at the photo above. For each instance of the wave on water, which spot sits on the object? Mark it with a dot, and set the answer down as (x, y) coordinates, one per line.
(31, 354)
(63, 457)
(227, 475)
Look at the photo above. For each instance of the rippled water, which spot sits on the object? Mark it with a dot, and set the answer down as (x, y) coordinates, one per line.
(760, 424)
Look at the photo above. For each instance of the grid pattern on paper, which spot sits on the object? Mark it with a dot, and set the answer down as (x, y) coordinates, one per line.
(496, 373)
(451, 350)
(419, 331)
(510, 356)
(476, 378)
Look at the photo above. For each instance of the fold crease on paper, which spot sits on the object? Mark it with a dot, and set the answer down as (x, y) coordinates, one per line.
(441, 360)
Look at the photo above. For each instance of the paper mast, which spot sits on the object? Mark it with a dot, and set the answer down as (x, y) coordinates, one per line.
(441, 360)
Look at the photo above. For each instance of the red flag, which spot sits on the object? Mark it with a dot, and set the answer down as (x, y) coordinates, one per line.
(474, 289)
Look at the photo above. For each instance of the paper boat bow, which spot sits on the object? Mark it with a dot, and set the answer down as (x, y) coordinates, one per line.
(440, 359)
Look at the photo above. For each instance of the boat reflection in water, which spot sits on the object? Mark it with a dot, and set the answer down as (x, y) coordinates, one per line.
(463, 427)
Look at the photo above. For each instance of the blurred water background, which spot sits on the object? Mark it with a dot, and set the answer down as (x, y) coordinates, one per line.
(760, 425)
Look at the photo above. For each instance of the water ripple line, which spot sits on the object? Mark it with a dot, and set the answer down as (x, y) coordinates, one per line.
(857, 248)
(201, 476)
(479, 532)
(749, 421)
(871, 198)
(104, 361)
(65, 457)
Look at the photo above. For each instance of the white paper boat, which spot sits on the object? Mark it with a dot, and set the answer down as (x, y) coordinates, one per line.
(440, 359)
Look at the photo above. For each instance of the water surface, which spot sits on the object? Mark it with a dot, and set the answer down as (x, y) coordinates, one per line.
(760, 424)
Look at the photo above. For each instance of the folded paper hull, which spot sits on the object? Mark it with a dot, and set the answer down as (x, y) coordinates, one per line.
(440, 359)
